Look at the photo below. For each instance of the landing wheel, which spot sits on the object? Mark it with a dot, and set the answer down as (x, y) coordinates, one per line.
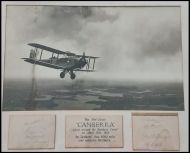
(62, 75)
(73, 76)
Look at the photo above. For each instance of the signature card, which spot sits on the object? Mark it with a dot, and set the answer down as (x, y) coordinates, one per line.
(155, 131)
(94, 131)
(31, 132)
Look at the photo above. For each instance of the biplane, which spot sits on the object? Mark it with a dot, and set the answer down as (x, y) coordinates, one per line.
(66, 61)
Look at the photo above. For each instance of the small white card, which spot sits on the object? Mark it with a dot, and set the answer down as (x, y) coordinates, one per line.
(155, 131)
(31, 132)
(94, 131)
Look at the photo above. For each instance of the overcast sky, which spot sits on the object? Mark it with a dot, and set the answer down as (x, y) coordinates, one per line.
(138, 43)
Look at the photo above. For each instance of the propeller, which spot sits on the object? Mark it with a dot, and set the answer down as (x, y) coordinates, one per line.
(86, 61)
(87, 65)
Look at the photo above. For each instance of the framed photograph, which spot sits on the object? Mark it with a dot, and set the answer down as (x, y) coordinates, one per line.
(90, 66)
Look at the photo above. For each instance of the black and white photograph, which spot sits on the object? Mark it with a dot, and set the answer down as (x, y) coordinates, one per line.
(60, 57)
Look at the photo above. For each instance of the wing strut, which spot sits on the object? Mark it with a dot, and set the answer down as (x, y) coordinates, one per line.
(41, 54)
(52, 58)
(94, 63)
(88, 63)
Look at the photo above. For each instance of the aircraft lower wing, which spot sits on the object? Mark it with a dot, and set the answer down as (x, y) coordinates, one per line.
(38, 62)
(43, 63)
(84, 70)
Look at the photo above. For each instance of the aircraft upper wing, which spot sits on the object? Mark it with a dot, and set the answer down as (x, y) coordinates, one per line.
(87, 56)
(56, 50)
(50, 49)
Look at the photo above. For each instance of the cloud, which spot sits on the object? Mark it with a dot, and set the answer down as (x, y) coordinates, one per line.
(66, 22)
(161, 41)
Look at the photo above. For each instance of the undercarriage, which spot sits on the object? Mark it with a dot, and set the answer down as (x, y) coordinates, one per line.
(72, 74)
